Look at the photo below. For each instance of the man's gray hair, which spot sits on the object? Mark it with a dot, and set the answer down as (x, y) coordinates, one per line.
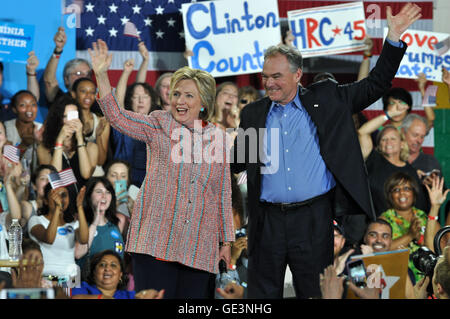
(292, 54)
(407, 122)
(71, 64)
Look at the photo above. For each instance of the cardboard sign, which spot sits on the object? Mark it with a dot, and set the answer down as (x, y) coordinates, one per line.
(16, 40)
(328, 30)
(388, 270)
(230, 37)
(422, 55)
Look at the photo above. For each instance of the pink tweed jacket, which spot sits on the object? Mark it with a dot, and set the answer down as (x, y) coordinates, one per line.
(183, 209)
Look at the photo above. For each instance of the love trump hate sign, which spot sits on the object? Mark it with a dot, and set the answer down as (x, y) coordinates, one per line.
(422, 55)
(16, 40)
(229, 37)
(328, 30)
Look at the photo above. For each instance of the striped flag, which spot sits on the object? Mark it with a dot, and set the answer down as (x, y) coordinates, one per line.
(12, 153)
(62, 179)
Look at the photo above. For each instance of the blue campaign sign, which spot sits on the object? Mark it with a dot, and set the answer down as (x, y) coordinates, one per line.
(16, 40)
(46, 17)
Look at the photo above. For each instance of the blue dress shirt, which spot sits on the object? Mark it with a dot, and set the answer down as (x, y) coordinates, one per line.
(299, 173)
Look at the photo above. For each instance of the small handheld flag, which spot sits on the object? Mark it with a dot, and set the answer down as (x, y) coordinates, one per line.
(12, 153)
(62, 179)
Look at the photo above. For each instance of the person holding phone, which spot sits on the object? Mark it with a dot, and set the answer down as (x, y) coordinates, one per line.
(64, 144)
(118, 173)
(95, 128)
(182, 222)
(105, 225)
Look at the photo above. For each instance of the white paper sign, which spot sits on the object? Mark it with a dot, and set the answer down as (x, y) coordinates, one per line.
(229, 37)
(328, 30)
(421, 55)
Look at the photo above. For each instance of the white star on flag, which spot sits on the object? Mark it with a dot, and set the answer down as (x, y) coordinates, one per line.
(148, 21)
(159, 10)
(112, 32)
(113, 8)
(181, 34)
(171, 22)
(136, 9)
(159, 34)
(101, 19)
(90, 7)
(124, 20)
(89, 31)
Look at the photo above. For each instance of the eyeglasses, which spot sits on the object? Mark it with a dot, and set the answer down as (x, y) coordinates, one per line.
(81, 73)
(399, 189)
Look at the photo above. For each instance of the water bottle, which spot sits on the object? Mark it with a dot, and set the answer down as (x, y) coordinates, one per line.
(15, 240)
(224, 277)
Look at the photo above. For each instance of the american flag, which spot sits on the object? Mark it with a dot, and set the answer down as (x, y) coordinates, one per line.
(159, 24)
(12, 153)
(62, 178)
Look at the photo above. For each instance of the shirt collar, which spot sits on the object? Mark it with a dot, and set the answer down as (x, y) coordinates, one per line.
(296, 102)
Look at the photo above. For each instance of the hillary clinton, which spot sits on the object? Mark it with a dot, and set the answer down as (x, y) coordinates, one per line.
(182, 224)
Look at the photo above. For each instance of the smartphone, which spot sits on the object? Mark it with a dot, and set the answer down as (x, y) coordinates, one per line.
(357, 272)
(72, 115)
(133, 191)
(121, 188)
(28, 293)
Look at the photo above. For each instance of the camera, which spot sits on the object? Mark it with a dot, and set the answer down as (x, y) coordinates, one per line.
(425, 260)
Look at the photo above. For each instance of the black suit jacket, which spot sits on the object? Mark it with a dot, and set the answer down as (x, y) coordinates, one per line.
(330, 107)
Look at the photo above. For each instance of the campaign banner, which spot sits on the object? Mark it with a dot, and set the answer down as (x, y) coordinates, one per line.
(328, 30)
(16, 40)
(230, 37)
(387, 270)
(422, 55)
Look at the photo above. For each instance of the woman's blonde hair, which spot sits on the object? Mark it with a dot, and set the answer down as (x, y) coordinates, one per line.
(206, 86)
(404, 149)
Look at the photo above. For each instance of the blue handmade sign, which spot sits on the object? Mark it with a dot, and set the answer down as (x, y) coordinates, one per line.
(230, 37)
